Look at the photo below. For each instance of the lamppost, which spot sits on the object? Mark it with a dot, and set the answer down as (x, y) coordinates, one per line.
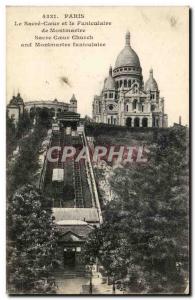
(91, 274)
(113, 287)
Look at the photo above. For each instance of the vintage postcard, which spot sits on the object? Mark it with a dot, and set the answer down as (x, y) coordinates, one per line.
(97, 118)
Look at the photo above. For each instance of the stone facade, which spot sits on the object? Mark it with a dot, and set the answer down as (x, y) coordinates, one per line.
(55, 105)
(124, 99)
(17, 106)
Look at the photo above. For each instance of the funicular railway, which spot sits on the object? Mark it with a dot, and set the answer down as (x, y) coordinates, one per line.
(71, 186)
(69, 183)
(74, 172)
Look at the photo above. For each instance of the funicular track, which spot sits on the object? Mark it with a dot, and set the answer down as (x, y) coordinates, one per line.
(74, 171)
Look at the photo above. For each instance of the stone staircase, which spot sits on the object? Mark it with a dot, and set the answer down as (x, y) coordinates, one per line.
(70, 273)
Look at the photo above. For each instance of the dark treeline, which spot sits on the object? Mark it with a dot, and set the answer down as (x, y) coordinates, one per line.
(31, 236)
(143, 242)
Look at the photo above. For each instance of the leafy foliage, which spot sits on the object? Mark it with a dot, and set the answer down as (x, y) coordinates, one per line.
(24, 124)
(10, 134)
(144, 238)
(32, 243)
(23, 169)
(31, 238)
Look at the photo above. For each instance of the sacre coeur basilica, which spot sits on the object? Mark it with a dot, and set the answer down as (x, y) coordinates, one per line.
(124, 99)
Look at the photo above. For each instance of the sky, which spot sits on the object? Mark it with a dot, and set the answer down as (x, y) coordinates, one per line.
(159, 35)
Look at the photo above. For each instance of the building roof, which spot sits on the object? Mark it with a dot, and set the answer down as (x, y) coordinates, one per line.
(127, 56)
(83, 214)
(71, 222)
(68, 116)
(54, 102)
(151, 84)
(81, 231)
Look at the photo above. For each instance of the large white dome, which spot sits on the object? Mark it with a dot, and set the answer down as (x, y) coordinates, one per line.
(127, 56)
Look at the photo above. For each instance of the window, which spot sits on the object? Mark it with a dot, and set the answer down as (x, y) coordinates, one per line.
(128, 122)
(125, 83)
(99, 107)
(145, 122)
(127, 108)
(134, 104)
(105, 96)
(136, 122)
(111, 95)
(110, 107)
(129, 83)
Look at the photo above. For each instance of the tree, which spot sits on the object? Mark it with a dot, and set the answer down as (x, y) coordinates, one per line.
(32, 243)
(44, 117)
(10, 134)
(24, 124)
(144, 238)
(24, 168)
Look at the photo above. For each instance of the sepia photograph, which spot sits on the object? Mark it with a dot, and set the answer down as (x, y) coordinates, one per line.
(97, 150)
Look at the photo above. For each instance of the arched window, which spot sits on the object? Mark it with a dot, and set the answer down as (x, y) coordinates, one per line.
(121, 82)
(127, 107)
(125, 83)
(134, 104)
(129, 83)
(136, 122)
(145, 122)
(129, 122)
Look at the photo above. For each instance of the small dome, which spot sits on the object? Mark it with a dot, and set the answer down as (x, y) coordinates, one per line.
(109, 83)
(151, 84)
(127, 56)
